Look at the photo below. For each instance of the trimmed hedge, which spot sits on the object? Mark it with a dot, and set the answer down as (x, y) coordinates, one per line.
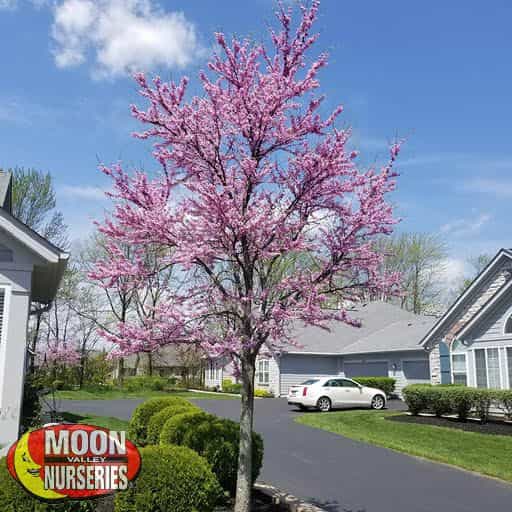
(157, 421)
(218, 442)
(172, 478)
(386, 384)
(229, 386)
(13, 498)
(459, 400)
(176, 427)
(263, 393)
(137, 432)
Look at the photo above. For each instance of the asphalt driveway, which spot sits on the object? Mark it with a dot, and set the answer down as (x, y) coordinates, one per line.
(340, 474)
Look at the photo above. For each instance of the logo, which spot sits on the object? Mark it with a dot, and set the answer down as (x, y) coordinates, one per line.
(73, 461)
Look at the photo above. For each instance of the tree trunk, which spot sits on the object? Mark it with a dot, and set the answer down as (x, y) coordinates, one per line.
(244, 478)
(120, 370)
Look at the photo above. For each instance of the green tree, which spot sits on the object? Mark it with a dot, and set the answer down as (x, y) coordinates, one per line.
(34, 203)
(419, 258)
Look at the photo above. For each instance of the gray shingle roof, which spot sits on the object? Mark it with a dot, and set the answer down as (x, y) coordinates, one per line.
(385, 327)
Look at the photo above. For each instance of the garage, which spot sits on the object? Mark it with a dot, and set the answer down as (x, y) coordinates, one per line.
(297, 368)
(416, 370)
(365, 369)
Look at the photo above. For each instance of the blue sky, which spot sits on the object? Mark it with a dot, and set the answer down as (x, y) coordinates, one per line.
(436, 73)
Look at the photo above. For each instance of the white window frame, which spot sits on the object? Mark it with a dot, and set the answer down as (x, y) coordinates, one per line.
(465, 354)
(508, 316)
(262, 371)
(502, 381)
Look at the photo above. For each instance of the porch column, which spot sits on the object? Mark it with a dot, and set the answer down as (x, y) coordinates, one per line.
(13, 345)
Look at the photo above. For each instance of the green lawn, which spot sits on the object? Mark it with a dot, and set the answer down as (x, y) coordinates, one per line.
(486, 454)
(100, 421)
(115, 394)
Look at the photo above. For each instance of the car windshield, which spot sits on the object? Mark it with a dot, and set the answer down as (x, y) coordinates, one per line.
(309, 382)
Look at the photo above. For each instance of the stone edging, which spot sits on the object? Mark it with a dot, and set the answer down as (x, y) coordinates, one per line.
(279, 497)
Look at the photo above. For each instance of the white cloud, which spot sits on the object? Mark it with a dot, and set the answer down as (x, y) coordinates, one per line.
(496, 187)
(81, 192)
(465, 227)
(122, 36)
(8, 5)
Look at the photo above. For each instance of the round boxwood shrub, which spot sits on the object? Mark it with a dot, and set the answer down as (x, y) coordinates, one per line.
(157, 421)
(14, 498)
(176, 427)
(172, 478)
(415, 396)
(137, 432)
(218, 442)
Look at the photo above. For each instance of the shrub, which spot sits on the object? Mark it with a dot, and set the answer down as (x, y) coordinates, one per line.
(175, 428)
(504, 402)
(172, 478)
(483, 399)
(137, 431)
(218, 442)
(462, 401)
(157, 421)
(415, 396)
(145, 383)
(15, 499)
(263, 393)
(231, 387)
(386, 384)
(439, 400)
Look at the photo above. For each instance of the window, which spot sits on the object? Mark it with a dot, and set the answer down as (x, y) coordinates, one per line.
(481, 368)
(348, 383)
(493, 368)
(309, 382)
(459, 369)
(263, 372)
(508, 325)
(332, 384)
(509, 361)
(213, 371)
(487, 362)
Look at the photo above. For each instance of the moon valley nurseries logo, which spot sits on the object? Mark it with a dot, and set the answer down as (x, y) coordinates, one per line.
(73, 461)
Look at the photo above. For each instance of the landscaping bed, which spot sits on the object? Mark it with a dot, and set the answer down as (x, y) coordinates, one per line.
(490, 428)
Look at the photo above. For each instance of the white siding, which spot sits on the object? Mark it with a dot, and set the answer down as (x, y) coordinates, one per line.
(273, 367)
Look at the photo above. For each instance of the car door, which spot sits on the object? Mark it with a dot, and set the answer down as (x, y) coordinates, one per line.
(351, 392)
(332, 388)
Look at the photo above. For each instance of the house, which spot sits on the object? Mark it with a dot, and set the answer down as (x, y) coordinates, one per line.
(183, 361)
(471, 343)
(30, 270)
(386, 344)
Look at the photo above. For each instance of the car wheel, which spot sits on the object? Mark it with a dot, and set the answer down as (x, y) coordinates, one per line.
(378, 402)
(324, 404)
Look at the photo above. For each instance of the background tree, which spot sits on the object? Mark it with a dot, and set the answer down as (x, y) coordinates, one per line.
(419, 259)
(34, 203)
(251, 171)
(477, 264)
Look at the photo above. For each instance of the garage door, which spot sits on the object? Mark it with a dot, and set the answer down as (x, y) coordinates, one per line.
(416, 370)
(298, 368)
(367, 369)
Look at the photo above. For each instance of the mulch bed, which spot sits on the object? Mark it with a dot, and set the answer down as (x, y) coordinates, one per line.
(260, 503)
(491, 427)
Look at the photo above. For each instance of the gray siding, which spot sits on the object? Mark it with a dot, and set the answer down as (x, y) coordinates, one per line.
(491, 326)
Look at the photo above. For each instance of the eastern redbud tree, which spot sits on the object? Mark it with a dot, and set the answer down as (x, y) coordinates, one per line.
(259, 205)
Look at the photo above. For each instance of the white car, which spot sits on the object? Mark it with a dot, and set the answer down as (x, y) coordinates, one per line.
(326, 393)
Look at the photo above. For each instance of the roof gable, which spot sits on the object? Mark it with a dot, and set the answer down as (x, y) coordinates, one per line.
(485, 290)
